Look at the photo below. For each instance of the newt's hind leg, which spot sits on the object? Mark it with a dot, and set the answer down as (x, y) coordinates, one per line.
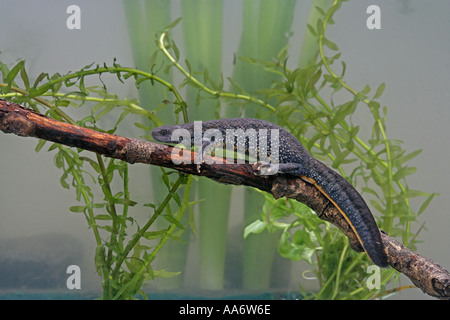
(266, 169)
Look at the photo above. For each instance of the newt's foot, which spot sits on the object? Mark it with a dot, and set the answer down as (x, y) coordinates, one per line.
(265, 168)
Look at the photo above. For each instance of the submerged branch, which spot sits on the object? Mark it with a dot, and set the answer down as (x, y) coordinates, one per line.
(424, 273)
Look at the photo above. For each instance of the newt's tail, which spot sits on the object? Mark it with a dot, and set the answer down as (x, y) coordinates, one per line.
(354, 209)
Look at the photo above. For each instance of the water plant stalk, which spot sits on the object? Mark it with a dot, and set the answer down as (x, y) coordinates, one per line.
(266, 29)
(202, 35)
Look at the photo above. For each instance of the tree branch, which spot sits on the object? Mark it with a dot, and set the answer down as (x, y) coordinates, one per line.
(424, 273)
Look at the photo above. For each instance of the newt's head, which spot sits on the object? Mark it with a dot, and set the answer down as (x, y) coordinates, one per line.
(165, 134)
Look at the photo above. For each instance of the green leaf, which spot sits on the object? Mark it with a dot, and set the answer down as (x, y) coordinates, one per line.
(334, 8)
(313, 80)
(403, 172)
(164, 273)
(320, 10)
(24, 76)
(77, 208)
(165, 179)
(297, 250)
(255, 227)
(86, 119)
(319, 26)
(125, 202)
(59, 160)
(142, 126)
(176, 51)
(173, 24)
(282, 54)
(152, 61)
(39, 78)
(99, 259)
(107, 109)
(330, 79)
(191, 217)
(343, 111)
(94, 164)
(14, 71)
(426, 203)
(41, 90)
(171, 219)
(379, 91)
(40, 144)
(103, 217)
(377, 205)
(363, 93)
(150, 235)
(415, 193)
(370, 190)
(4, 70)
(330, 44)
(135, 264)
(344, 67)
(311, 29)
(408, 157)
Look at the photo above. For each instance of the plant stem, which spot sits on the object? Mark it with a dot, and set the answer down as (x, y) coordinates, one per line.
(157, 249)
(42, 101)
(196, 82)
(145, 21)
(309, 48)
(202, 35)
(112, 212)
(266, 26)
(339, 271)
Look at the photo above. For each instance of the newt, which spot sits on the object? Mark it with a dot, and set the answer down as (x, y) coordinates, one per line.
(286, 155)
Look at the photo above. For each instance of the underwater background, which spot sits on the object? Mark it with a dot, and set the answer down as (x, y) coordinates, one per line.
(410, 54)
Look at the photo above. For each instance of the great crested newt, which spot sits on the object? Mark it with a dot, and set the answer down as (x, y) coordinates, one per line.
(256, 137)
